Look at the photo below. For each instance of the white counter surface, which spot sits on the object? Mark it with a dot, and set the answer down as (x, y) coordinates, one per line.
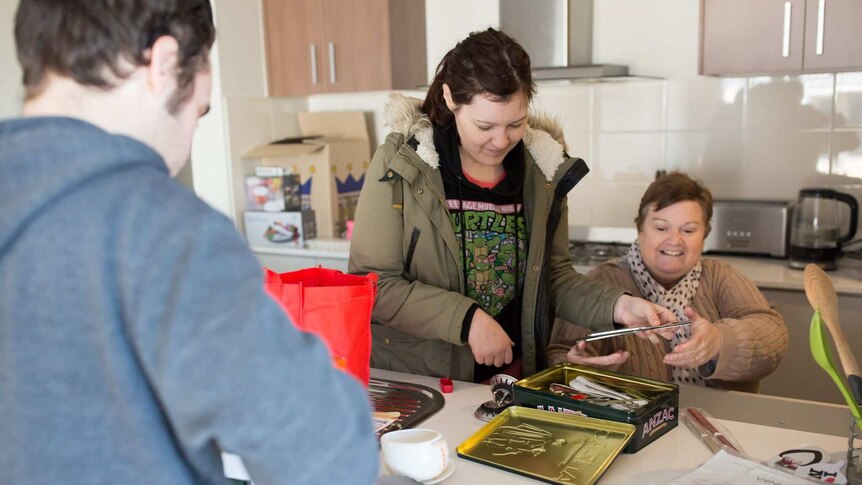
(669, 457)
(766, 273)
(776, 274)
(314, 248)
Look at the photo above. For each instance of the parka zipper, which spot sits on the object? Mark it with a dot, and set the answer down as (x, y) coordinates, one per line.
(542, 323)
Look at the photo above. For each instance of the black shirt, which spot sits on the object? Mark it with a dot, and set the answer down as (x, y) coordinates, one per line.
(491, 229)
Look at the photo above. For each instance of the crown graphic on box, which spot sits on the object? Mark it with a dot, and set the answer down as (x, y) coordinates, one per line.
(346, 186)
(305, 187)
(350, 184)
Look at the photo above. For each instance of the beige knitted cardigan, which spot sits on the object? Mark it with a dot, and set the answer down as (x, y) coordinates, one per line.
(753, 335)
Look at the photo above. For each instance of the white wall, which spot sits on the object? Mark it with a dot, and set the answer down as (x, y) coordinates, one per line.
(209, 162)
(448, 21)
(11, 92)
(238, 70)
(240, 35)
(653, 38)
(745, 137)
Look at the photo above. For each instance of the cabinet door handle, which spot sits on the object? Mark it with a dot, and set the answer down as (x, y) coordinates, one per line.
(313, 49)
(332, 63)
(821, 19)
(785, 43)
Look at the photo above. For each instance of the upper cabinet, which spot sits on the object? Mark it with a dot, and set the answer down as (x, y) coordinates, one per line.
(833, 38)
(334, 46)
(780, 36)
(742, 37)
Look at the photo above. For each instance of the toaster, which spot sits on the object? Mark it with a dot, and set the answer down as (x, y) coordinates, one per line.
(750, 227)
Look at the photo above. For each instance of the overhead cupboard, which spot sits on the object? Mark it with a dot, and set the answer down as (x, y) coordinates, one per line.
(337, 46)
(743, 37)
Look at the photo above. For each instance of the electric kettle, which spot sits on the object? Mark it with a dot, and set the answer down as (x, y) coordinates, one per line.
(815, 235)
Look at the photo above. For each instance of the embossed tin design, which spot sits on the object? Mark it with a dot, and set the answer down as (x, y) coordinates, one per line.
(554, 447)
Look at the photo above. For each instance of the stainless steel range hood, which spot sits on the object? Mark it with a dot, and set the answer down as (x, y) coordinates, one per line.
(558, 35)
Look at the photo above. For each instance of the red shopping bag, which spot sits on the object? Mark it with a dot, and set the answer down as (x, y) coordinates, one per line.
(333, 305)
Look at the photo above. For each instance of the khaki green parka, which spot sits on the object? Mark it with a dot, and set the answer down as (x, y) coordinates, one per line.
(403, 233)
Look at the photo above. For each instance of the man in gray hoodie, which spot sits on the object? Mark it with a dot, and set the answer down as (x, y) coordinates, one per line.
(136, 340)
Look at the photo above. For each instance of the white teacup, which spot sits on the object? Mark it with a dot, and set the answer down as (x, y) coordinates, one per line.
(420, 454)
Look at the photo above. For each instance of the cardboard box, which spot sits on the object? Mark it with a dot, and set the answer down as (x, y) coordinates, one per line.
(270, 189)
(331, 166)
(651, 421)
(279, 229)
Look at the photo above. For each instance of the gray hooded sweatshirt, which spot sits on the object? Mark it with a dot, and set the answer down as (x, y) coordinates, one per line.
(136, 340)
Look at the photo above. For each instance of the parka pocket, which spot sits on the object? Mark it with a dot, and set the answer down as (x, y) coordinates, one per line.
(402, 352)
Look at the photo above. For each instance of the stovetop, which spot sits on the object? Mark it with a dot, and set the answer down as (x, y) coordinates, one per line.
(592, 253)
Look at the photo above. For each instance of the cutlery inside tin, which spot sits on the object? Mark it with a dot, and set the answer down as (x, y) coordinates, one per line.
(585, 390)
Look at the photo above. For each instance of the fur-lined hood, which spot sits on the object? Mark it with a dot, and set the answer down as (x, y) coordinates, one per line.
(543, 137)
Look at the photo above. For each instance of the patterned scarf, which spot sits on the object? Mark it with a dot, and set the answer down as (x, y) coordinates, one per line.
(676, 299)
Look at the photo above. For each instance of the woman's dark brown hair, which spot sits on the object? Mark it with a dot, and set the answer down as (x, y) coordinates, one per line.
(487, 62)
(95, 41)
(669, 189)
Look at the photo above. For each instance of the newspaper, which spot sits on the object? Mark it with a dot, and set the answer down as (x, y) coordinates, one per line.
(727, 469)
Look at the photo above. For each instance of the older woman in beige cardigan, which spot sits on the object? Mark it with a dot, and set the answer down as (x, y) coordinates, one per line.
(735, 339)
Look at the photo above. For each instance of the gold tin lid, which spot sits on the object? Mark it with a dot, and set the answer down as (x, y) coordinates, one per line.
(554, 447)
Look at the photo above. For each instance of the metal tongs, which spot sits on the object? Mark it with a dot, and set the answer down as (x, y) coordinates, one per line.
(626, 331)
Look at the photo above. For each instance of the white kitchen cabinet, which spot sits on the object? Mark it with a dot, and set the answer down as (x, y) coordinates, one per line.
(741, 37)
(798, 375)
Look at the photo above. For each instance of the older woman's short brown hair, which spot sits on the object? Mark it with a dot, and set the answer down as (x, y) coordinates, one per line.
(670, 189)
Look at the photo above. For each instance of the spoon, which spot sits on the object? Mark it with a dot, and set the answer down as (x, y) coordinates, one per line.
(823, 356)
(821, 294)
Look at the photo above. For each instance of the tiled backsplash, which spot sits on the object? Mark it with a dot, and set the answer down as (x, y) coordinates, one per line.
(759, 137)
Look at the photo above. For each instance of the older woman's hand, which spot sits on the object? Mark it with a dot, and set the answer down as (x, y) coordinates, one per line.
(578, 355)
(703, 345)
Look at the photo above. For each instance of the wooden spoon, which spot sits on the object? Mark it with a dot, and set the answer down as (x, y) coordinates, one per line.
(821, 294)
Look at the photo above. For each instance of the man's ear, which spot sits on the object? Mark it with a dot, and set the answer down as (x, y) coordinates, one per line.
(161, 72)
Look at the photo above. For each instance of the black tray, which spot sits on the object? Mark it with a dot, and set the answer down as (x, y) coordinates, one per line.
(415, 402)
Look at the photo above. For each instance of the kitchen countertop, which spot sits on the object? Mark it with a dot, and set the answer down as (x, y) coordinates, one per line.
(771, 425)
(767, 273)
(776, 274)
(321, 247)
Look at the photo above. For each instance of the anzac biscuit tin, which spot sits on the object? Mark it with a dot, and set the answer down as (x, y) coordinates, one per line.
(553, 447)
(652, 406)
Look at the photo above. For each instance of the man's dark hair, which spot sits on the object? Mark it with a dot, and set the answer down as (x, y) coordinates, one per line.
(487, 62)
(92, 41)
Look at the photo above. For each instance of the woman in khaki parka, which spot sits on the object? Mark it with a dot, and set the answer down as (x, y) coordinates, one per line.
(463, 216)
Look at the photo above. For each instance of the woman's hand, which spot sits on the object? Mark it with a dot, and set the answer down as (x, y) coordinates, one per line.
(637, 312)
(489, 342)
(703, 345)
(612, 362)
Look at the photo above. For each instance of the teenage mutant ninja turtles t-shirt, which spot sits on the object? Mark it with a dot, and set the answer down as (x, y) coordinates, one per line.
(490, 225)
